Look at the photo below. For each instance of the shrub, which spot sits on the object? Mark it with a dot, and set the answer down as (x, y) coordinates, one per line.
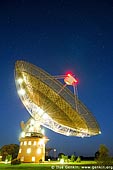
(8, 157)
(65, 158)
(104, 161)
(40, 161)
(72, 158)
(78, 159)
(15, 161)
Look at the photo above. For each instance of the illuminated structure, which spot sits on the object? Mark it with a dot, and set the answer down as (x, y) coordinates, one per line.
(52, 104)
(32, 142)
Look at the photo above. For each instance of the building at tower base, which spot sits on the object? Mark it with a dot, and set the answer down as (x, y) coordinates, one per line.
(32, 149)
(32, 142)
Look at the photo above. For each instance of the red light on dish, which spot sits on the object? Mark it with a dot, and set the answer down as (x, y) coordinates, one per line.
(69, 73)
(70, 80)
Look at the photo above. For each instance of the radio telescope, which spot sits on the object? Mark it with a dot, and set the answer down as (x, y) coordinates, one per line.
(51, 104)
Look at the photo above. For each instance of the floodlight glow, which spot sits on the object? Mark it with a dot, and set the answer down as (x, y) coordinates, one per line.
(82, 136)
(20, 80)
(67, 134)
(41, 142)
(45, 116)
(21, 92)
(62, 161)
(40, 112)
(23, 134)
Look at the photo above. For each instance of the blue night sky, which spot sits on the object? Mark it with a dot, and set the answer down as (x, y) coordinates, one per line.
(59, 35)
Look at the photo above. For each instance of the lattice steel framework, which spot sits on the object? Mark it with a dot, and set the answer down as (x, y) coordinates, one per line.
(54, 110)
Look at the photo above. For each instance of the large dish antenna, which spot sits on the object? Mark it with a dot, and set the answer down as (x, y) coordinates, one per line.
(51, 103)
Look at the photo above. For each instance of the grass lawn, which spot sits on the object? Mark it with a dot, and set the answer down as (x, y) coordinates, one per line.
(25, 167)
(84, 165)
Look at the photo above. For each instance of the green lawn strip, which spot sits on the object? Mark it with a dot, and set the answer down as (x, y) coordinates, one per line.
(25, 166)
(49, 166)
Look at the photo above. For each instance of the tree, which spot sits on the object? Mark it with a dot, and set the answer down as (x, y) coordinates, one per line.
(60, 155)
(78, 159)
(11, 149)
(103, 151)
(103, 155)
(72, 158)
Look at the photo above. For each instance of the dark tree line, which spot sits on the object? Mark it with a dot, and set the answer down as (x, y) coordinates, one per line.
(11, 149)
